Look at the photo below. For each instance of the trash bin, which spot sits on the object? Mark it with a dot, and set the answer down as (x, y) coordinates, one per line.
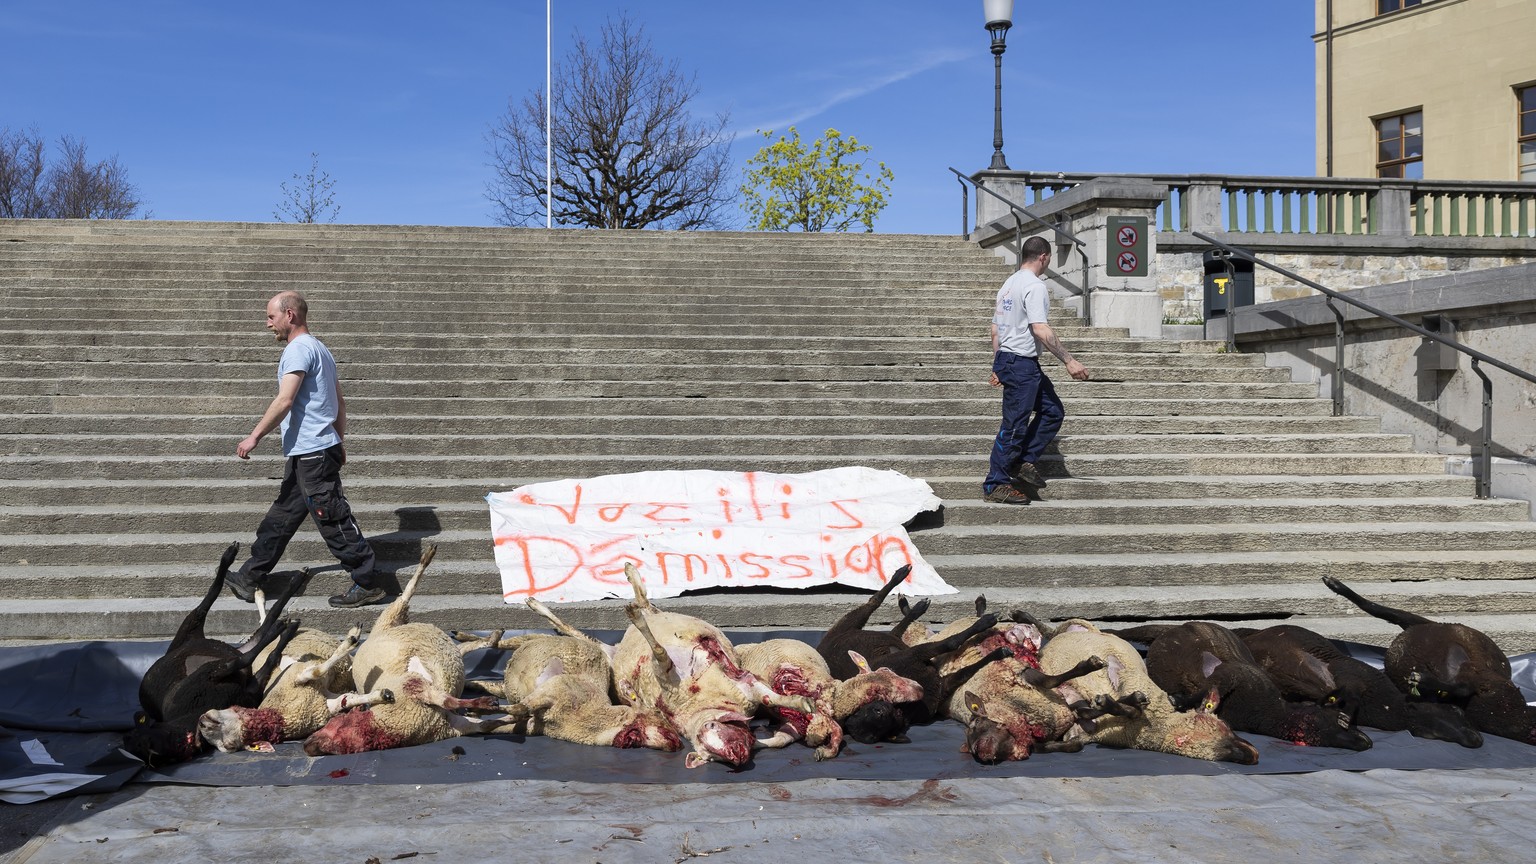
(1215, 290)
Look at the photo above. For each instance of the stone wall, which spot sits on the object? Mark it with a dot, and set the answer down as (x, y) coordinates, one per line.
(1391, 372)
(1182, 287)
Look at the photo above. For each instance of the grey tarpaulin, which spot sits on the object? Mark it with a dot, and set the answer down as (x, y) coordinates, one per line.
(72, 693)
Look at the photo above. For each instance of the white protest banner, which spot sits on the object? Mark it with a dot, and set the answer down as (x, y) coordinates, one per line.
(569, 539)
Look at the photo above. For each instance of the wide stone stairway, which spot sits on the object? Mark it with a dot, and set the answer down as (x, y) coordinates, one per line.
(1187, 483)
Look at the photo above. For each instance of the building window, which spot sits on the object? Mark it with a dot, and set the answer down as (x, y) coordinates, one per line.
(1527, 127)
(1385, 6)
(1400, 146)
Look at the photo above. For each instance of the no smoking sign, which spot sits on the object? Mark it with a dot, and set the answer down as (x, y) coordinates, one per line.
(1125, 246)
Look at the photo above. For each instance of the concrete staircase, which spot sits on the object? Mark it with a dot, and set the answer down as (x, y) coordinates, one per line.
(1188, 483)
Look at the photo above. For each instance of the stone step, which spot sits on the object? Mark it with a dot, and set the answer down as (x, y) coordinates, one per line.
(980, 405)
(395, 493)
(209, 515)
(569, 351)
(1260, 606)
(409, 390)
(745, 369)
(362, 426)
(853, 443)
(974, 463)
(742, 343)
(1022, 539)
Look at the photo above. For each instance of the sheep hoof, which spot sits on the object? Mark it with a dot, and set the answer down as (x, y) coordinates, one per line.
(387, 697)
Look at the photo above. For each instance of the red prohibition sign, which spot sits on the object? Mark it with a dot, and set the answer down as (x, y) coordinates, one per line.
(1127, 235)
(1126, 262)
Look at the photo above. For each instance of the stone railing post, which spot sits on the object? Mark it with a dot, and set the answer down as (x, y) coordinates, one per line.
(1392, 207)
(1202, 200)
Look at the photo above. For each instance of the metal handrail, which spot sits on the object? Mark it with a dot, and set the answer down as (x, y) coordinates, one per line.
(1015, 209)
(1485, 458)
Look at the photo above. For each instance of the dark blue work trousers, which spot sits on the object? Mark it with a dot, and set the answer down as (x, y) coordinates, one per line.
(1031, 415)
(312, 487)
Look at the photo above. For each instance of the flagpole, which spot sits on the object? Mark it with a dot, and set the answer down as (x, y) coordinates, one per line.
(549, 136)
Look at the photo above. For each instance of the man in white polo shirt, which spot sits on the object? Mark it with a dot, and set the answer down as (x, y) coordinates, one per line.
(312, 414)
(1031, 411)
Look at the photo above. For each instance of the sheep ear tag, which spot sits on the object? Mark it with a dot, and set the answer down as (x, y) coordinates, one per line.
(1212, 701)
(1208, 663)
(859, 661)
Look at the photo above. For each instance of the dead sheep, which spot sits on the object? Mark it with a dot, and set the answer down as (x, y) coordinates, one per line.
(793, 667)
(199, 674)
(423, 668)
(1353, 686)
(1192, 659)
(687, 669)
(1198, 734)
(1451, 663)
(565, 686)
(1010, 708)
(313, 683)
(847, 640)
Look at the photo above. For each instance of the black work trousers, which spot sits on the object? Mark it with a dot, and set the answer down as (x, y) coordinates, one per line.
(312, 487)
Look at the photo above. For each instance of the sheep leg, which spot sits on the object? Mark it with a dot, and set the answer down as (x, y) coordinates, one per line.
(951, 682)
(859, 615)
(271, 623)
(1039, 679)
(495, 688)
(192, 626)
(632, 573)
(560, 626)
(766, 695)
(909, 615)
(399, 611)
(783, 736)
(663, 667)
(337, 704)
(469, 642)
(1129, 706)
(264, 674)
(322, 671)
(930, 650)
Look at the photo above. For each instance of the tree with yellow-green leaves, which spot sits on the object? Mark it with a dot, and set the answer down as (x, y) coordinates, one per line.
(821, 187)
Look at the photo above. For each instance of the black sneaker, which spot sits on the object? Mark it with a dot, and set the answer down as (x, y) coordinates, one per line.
(1005, 494)
(1027, 475)
(242, 586)
(357, 595)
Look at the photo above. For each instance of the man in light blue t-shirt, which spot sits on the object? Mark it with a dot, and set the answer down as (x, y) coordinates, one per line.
(1031, 410)
(312, 414)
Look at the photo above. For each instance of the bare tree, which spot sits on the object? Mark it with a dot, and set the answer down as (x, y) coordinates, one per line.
(627, 152)
(73, 187)
(310, 199)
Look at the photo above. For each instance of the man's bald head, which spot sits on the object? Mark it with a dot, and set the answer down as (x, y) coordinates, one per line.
(293, 301)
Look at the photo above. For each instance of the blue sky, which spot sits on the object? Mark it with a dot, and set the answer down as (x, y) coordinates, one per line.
(211, 106)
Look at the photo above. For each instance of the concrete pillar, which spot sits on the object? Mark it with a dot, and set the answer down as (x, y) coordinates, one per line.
(1203, 203)
(1392, 206)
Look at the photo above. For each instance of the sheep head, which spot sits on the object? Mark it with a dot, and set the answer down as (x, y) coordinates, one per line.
(718, 736)
(232, 729)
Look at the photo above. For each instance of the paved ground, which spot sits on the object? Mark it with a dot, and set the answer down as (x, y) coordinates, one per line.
(1386, 816)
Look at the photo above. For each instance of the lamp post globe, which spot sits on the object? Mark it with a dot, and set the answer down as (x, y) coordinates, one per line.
(999, 14)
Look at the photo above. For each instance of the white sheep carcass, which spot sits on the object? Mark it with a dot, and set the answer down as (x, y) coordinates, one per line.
(565, 686)
(792, 667)
(1197, 734)
(313, 683)
(424, 668)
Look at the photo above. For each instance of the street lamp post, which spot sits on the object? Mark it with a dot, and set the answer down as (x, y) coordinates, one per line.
(999, 19)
